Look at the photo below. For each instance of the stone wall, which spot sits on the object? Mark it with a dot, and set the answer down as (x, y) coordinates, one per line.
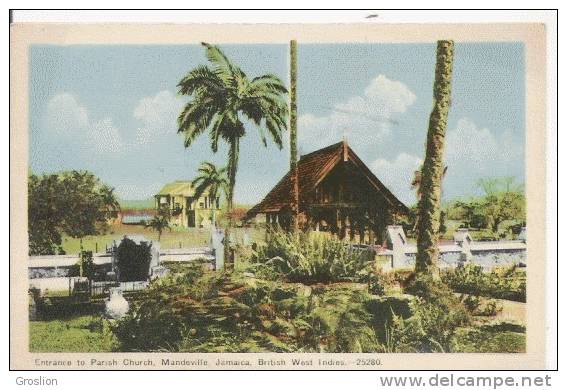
(401, 253)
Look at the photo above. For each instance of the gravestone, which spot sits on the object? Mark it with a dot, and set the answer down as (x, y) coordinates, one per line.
(217, 245)
(463, 239)
(396, 240)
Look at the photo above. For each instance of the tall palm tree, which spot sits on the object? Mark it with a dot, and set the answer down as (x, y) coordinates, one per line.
(429, 206)
(211, 180)
(222, 96)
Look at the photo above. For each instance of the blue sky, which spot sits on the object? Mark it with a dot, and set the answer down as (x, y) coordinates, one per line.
(112, 110)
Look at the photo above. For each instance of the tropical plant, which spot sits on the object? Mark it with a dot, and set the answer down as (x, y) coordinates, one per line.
(160, 221)
(310, 258)
(221, 97)
(432, 172)
(75, 203)
(502, 282)
(212, 181)
(504, 200)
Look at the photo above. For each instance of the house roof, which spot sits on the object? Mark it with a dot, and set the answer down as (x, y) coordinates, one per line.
(178, 187)
(312, 168)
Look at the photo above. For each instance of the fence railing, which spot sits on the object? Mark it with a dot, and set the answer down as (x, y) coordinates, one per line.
(84, 289)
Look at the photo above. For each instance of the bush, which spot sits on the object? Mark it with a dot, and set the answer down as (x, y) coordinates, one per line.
(133, 260)
(437, 314)
(502, 337)
(217, 312)
(310, 258)
(85, 266)
(502, 283)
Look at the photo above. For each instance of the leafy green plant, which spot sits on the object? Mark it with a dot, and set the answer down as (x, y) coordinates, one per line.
(437, 314)
(503, 283)
(490, 338)
(75, 203)
(310, 258)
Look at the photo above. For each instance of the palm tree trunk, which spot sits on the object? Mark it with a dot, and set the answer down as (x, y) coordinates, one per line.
(432, 170)
(232, 166)
(293, 134)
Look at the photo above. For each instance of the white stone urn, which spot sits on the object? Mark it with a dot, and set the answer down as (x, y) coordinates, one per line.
(116, 307)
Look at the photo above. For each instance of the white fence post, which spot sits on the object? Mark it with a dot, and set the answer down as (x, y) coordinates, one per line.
(463, 239)
(397, 244)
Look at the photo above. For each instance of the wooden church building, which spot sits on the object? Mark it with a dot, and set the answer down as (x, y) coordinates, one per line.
(337, 193)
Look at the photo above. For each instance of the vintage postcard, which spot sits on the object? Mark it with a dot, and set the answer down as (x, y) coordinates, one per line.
(288, 197)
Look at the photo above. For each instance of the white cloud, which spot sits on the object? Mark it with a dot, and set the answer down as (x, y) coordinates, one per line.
(471, 152)
(105, 137)
(158, 115)
(65, 116)
(474, 152)
(475, 149)
(365, 118)
(397, 175)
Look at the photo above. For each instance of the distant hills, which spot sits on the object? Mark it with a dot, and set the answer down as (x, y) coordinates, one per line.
(137, 204)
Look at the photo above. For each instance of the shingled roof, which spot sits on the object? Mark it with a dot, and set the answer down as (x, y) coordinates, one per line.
(312, 168)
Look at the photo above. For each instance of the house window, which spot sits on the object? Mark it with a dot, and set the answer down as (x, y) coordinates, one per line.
(163, 200)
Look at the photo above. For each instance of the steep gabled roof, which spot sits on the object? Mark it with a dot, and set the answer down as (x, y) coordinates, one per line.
(312, 169)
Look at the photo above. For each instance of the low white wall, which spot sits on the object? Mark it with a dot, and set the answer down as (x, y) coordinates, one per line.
(488, 254)
(51, 284)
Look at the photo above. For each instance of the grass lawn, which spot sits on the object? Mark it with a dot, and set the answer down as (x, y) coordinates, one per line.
(85, 333)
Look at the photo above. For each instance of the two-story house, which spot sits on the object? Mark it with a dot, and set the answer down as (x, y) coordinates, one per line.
(186, 210)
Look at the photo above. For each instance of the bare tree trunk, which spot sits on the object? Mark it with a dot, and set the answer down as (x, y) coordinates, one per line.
(432, 170)
(232, 166)
(293, 134)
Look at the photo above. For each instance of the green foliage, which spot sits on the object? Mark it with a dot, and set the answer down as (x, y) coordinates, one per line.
(216, 312)
(160, 221)
(503, 283)
(211, 180)
(133, 260)
(311, 258)
(502, 205)
(85, 266)
(221, 95)
(490, 338)
(437, 314)
(74, 203)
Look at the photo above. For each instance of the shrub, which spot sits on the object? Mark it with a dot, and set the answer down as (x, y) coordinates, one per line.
(490, 338)
(231, 313)
(310, 258)
(503, 283)
(85, 266)
(133, 260)
(437, 314)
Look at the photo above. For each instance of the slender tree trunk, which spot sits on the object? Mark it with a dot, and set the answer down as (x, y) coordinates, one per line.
(293, 134)
(432, 170)
(232, 166)
(81, 258)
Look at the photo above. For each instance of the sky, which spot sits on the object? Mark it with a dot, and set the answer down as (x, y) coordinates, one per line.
(112, 109)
